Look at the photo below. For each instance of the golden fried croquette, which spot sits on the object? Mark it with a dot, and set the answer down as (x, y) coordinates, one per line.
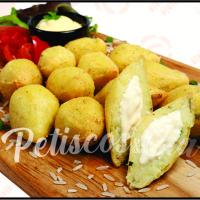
(102, 94)
(164, 78)
(70, 82)
(18, 73)
(86, 45)
(125, 54)
(55, 57)
(157, 96)
(193, 92)
(100, 67)
(33, 107)
(83, 116)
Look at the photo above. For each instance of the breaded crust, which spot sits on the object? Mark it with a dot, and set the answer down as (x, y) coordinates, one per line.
(141, 175)
(112, 107)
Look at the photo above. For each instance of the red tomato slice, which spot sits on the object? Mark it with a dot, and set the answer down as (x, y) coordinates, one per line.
(8, 53)
(15, 42)
(13, 35)
(26, 51)
(11, 39)
(39, 47)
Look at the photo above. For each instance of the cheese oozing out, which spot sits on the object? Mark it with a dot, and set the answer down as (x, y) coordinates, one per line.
(131, 107)
(160, 136)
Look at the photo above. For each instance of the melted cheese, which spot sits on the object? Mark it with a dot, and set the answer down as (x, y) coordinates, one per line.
(131, 107)
(160, 136)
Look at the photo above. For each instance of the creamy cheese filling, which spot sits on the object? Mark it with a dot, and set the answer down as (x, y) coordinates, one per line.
(63, 23)
(160, 136)
(131, 107)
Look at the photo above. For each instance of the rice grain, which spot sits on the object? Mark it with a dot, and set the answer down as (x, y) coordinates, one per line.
(59, 178)
(126, 190)
(9, 146)
(32, 154)
(81, 186)
(5, 118)
(108, 194)
(104, 187)
(60, 182)
(190, 174)
(5, 104)
(59, 169)
(53, 176)
(109, 177)
(162, 187)
(190, 163)
(1, 110)
(71, 190)
(90, 176)
(119, 184)
(143, 190)
(77, 167)
(103, 167)
(77, 162)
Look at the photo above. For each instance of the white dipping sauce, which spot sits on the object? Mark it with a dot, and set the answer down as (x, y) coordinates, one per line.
(160, 136)
(131, 107)
(63, 23)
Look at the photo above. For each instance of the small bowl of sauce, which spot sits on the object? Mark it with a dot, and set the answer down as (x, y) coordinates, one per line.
(59, 28)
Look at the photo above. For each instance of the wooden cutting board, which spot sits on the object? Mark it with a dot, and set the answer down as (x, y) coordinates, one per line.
(32, 174)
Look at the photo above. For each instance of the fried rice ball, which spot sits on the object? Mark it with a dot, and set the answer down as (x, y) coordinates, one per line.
(55, 57)
(82, 116)
(100, 67)
(125, 54)
(33, 107)
(70, 82)
(18, 73)
(86, 45)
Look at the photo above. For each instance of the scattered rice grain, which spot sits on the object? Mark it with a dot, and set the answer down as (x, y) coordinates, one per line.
(108, 194)
(102, 167)
(144, 190)
(126, 190)
(32, 154)
(60, 182)
(5, 118)
(104, 187)
(77, 162)
(190, 174)
(81, 186)
(90, 176)
(162, 187)
(71, 190)
(109, 177)
(59, 169)
(53, 176)
(9, 146)
(119, 184)
(190, 163)
(59, 178)
(5, 104)
(77, 167)
(1, 110)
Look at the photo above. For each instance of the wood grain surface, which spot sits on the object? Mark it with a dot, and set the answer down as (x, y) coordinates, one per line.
(32, 174)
